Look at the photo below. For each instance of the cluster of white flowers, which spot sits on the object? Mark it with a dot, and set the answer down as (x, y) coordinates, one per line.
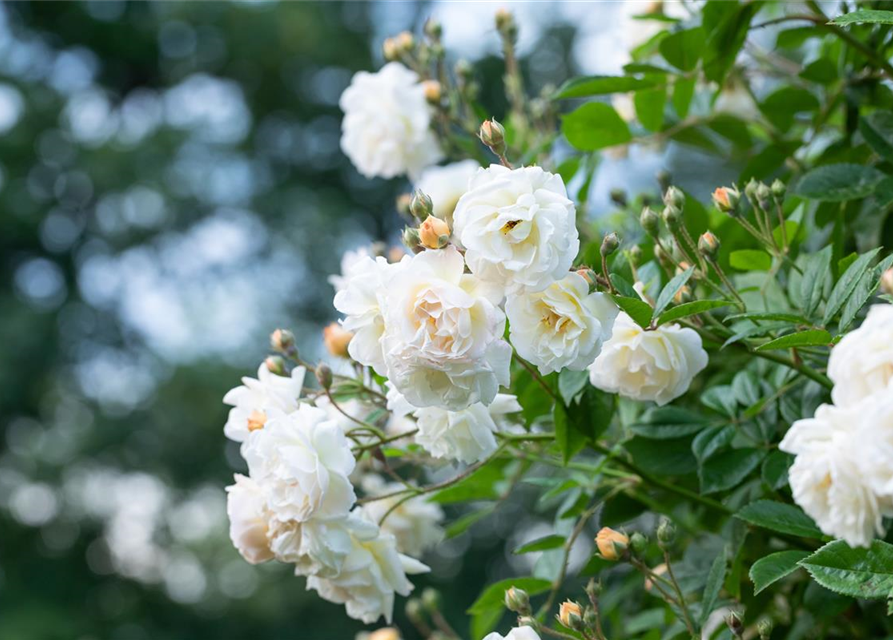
(297, 504)
(842, 475)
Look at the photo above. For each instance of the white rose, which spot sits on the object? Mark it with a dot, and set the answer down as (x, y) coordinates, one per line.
(322, 546)
(301, 462)
(414, 523)
(446, 185)
(518, 633)
(518, 227)
(361, 300)
(253, 400)
(563, 326)
(443, 341)
(372, 574)
(248, 520)
(862, 362)
(656, 365)
(466, 435)
(828, 480)
(386, 130)
(873, 443)
(352, 264)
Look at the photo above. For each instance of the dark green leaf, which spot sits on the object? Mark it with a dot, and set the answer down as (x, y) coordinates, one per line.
(781, 317)
(781, 105)
(870, 16)
(727, 470)
(650, 107)
(822, 71)
(730, 24)
(877, 129)
(810, 338)
(815, 275)
(683, 48)
(570, 383)
(781, 517)
(860, 573)
(774, 567)
(775, 469)
(623, 286)
(493, 597)
(754, 330)
(689, 309)
(720, 398)
(838, 182)
(462, 524)
(847, 284)
(715, 578)
(669, 292)
(711, 440)
(636, 308)
(595, 125)
(865, 288)
(663, 457)
(540, 544)
(750, 260)
(668, 422)
(570, 441)
(601, 85)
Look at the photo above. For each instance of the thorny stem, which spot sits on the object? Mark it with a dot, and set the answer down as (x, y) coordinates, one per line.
(593, 600)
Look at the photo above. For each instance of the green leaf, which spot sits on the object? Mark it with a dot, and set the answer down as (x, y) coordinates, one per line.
(683, 92)
(480, 485)
(864, 289)
(650, 107)
(636, 308)
(860, 573)
(775, 469)
(838, 182)
(729, 23)
(774, 567)
(870, 16)
(689, 309)
(570, 441)
(847, 284)
(683, 48)
(601, 85)
(809, 338)
(728, 469)
(461, 525)
(595, 125)
(822, 71)
(780, 517)
(570, 383)
(669, 292)
(540, 544)
(782, 317)
(664, 423)
(750, 260)
(815, 275)
(711, 440)
(715, 579)
(493, 597)
(662, 457)
(877, 129)
(781, 105)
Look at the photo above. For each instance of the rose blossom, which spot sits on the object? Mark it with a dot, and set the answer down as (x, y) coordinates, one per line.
(518, 227)
(248, 520)
(445, 185)
(563, 326)
(253, 400)
(443, 341)
(414, 523)
(656, 365)
(862, 362)
(518, 633)
(386, 130)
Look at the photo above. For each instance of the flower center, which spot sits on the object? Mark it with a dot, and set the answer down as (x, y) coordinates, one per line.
(256, 420)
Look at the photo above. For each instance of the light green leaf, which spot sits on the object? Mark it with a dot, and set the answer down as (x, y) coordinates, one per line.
(728, 469)
(570, 383)
(669, 292)
(540, 544)
(781, 517)
(812, 285)
(866, 288)
(870, 16)
(665, 423)
(860, 573)
(683, 92)
(877, 129)
(689, 309)
(493, 597)
(595, 125)
(774, 567)
(650, 107)
(636, 308)
(715, 579)
(601, 85)
(838, 182)
(683, 48)
(847, 284)
(461, 525)
(778, 317)
(781, 105)
(480, 485)
(810, 338)
(750, 260)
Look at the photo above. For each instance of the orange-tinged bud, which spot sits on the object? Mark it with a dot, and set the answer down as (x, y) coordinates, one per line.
(434, 233)
(887, 282)
(387, 633)
(570, 614)
(611, 544)
(336, 338)
(433, 91)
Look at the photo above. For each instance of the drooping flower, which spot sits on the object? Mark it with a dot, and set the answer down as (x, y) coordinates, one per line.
(386, 130)
(563, 326)
(518, 227)
(656, 365)
(862, 362)
(414, 523)
(301, 461)
(253, 400)
(372, 574)
(443, 341)
(828, 478)
(445, 185)
(466, 435)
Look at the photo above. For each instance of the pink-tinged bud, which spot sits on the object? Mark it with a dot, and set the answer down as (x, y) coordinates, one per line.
(726, 199)
(275, 364)
(708, 245)
(570, 614)
(336, 338)
(434, 233)
(659, 570)
(282, 340)
(395, 254)
(433, 91)
(517, 600)
(611, 544)
(887, 282)
(492, 134)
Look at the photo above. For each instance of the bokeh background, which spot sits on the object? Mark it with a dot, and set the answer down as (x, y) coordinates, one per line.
(171, 190)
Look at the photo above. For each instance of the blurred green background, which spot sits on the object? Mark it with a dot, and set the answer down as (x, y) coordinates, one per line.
(171, 190)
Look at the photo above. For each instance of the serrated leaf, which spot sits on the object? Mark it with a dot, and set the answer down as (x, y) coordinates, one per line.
(711, 440)
(593, 126)
(493, 597)
(636, 308)
(774, 567)
(727, 470)
(601, 85)
(689, 309)
(540, 544)
(870, 16)
(866, 288)
(750, 260)
(720, 398)
(663, 423)
(877, 129)
(809, 338)
(670, 290)
(683, 48)
(754, 330)
(715, 579)
(780, 517)
(775, 469)
(847, 284)
(812, 285)
(860, 573)
(838, 182)
(782, 317)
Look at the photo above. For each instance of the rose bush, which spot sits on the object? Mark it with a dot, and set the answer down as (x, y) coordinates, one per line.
(685, 382)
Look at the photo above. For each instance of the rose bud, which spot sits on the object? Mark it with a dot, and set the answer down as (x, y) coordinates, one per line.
(611, 544)
(674, 198)
(887, 282)
(517, 600)
(726, 199)
(492, 134)
(275, 364)
(421, 205)
(708, 245)
(282, 340)
(650, 222)
(336, 338)
(571, 615)
(324, 376)
(434, 233)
